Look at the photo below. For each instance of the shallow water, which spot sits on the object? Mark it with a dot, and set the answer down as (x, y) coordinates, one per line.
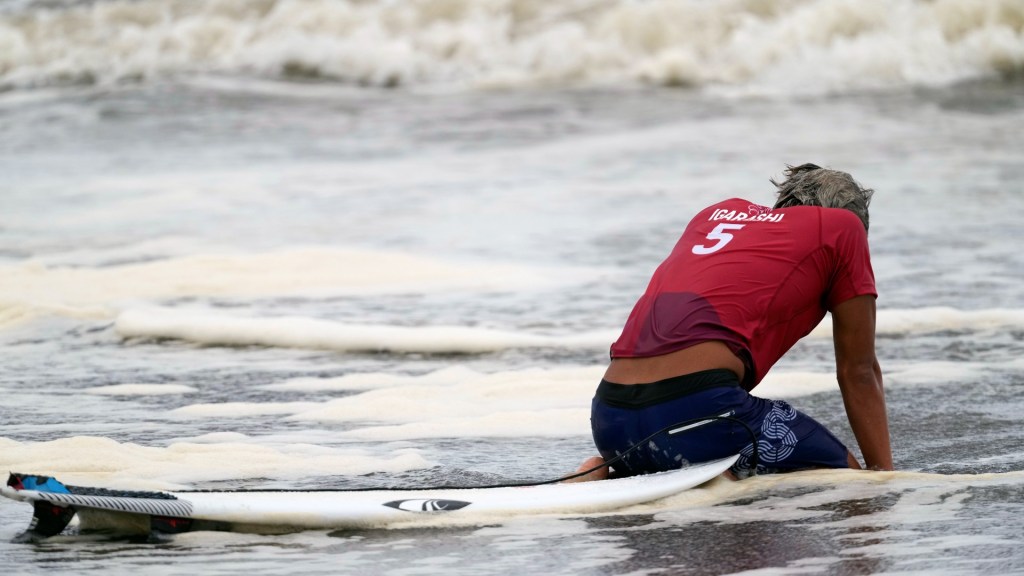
(217, 276)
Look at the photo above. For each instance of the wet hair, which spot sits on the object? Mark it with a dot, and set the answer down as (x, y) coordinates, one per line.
(812, 185)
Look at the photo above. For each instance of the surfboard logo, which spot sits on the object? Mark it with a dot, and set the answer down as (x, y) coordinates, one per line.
(418, 505)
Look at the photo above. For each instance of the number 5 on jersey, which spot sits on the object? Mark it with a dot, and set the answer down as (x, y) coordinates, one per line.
(721, 237)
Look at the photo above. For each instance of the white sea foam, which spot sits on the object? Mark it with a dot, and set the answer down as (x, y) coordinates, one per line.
(448, 403)
(768, 46)
(533, 402)
(14, 313)
(32, 289)
(370, 381)
(295, 332)
(82, 459)
(788, 384)
(540, 423)
(936, 319)
(779, 385)
(216, 328)
(932, 372)
(458, 402)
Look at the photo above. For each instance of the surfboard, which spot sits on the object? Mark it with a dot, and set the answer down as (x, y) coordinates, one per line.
(158, 514)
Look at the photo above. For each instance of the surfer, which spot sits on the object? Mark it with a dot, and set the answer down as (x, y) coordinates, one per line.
(743, 284)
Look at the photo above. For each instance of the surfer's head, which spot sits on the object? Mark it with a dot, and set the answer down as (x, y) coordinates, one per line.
(812, 185)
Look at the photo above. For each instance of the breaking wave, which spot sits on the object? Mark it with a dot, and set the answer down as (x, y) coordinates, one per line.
(759, 46)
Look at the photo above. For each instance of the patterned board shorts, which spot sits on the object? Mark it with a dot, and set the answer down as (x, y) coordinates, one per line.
(622, 416)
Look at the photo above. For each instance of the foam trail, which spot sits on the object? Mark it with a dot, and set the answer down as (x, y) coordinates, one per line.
(141, 390)
(373, 380)
(935, 319)
(17, 313)
(458, 402)
(33, 289)
(781, 385)
(296, 271)
(82, 459)
(778, 382)
(310, 333)
(558, 423)
(447, 403)
(212, 328)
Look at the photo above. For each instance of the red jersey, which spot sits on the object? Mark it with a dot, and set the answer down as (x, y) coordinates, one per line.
(754, 278)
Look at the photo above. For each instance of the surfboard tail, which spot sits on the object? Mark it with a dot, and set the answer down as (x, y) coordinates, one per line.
(48, 518)
(36, 482)
(55, 504)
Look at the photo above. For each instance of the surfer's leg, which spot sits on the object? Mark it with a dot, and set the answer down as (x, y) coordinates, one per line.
(592, 462)
(789, 440)
(852, 461)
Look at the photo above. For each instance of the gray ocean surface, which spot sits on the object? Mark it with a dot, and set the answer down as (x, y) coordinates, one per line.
(307, 244)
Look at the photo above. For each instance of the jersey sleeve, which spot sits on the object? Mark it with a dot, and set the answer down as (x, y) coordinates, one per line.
(853, 274)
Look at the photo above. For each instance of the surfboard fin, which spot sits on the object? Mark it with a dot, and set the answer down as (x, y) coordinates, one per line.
(161, 526)
(48, 519)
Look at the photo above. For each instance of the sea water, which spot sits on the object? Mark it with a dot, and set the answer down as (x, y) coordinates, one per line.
(306, 244)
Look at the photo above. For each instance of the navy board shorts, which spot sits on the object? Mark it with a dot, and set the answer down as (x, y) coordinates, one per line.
(787, 440)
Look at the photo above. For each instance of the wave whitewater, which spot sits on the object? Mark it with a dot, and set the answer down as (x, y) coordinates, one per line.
(752, 45)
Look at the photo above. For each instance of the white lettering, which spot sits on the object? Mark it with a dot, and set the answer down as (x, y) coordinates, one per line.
(734, 216)
(720, 236)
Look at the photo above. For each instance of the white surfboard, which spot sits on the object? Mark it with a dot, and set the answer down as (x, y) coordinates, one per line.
(173, 512)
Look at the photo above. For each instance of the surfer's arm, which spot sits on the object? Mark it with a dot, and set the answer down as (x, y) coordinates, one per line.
(860, 379)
